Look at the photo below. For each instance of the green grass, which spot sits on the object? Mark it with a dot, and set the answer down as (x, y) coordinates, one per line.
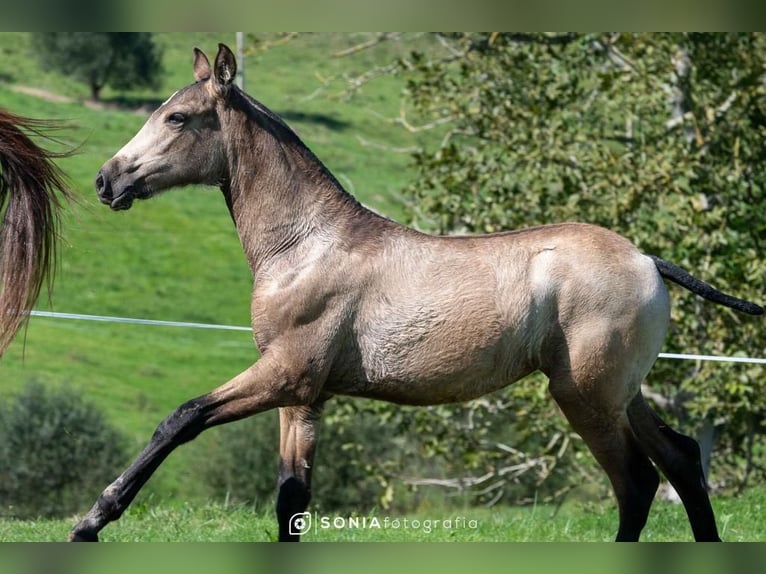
(739, 520)
(178, 257)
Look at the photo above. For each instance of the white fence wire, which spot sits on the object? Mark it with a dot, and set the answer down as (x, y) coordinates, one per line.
(187, 325)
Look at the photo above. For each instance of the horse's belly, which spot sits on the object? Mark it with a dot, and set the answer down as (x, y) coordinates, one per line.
(436, 341)
(432, 369)
(428, 391)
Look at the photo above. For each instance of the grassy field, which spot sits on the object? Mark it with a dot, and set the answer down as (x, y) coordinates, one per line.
(738, 520)
(177, 257)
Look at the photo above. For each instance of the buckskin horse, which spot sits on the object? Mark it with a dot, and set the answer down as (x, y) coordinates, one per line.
(348, 302)
(31, 190)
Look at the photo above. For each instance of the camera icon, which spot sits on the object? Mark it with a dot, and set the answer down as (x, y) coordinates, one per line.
(300, 523)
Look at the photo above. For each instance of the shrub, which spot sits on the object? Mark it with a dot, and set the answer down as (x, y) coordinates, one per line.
(56, 452)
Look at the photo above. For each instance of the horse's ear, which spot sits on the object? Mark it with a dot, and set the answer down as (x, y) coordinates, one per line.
(225, 66)
(201, 65)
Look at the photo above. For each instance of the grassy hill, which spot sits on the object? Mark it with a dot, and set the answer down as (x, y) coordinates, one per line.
(177, 257)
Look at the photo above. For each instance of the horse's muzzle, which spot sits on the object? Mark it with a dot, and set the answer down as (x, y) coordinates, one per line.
(106, 193)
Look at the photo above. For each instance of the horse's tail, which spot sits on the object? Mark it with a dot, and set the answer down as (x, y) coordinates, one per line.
(688, 281)
(31, 190)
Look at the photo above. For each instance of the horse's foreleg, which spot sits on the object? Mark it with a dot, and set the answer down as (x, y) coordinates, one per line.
(299, 429)
(250, 392)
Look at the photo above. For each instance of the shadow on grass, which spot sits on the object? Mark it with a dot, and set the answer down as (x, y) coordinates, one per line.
(325, 120)
(127, 103)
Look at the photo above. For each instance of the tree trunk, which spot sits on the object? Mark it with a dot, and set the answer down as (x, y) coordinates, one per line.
(95, 91)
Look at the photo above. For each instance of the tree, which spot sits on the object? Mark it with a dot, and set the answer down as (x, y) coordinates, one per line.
(656, 136)
(121, 60)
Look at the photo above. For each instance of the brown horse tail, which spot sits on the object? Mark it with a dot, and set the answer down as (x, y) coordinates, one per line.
(31, 188)
(684, 279)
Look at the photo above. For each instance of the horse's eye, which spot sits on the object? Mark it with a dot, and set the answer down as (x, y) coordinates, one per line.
(176, 119)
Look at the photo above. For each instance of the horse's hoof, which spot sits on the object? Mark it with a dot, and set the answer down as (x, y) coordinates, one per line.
(83, 536)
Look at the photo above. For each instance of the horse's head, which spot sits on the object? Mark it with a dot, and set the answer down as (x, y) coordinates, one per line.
(180, 144)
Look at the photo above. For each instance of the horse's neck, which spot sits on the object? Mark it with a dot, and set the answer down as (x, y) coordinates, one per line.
(281, 199)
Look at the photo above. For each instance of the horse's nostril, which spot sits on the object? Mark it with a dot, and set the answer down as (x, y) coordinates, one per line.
(103, 188)
(100, 182)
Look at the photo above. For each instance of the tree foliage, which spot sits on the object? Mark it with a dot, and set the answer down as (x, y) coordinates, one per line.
(656, 136)
(122, 60)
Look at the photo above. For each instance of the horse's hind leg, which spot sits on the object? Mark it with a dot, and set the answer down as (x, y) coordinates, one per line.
(608, 436)
(678, 457)
(299, 427)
